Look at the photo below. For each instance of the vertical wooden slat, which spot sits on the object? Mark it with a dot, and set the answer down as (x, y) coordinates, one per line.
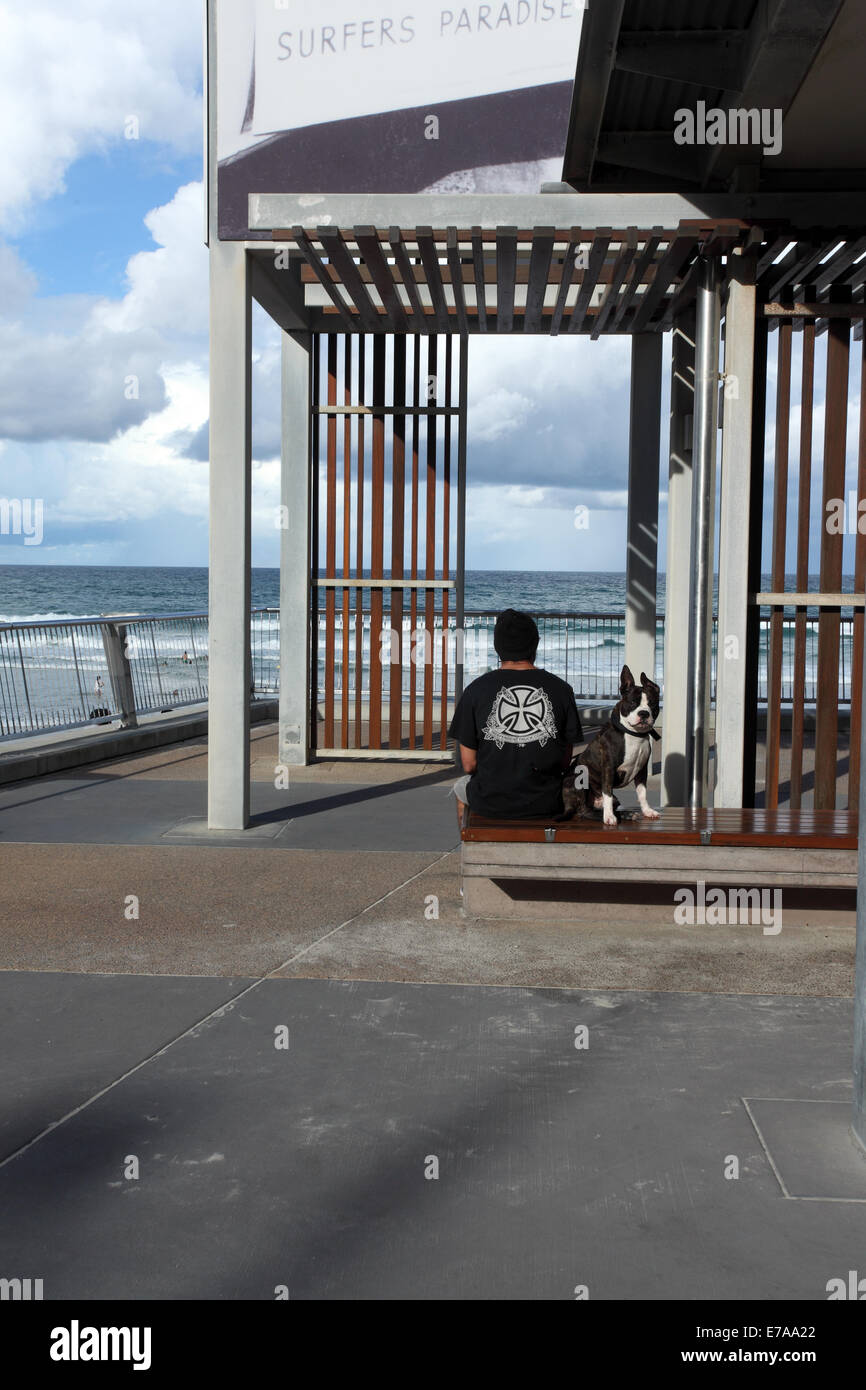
(377, 540)
(413, 601)
(359, 549)
(398, 504)
(446, 539)
(348, 342)
(804, 494)
(330, 542)
(430, 545)
(460, 557)
(835, 419)
(780, 508)
(859, 582)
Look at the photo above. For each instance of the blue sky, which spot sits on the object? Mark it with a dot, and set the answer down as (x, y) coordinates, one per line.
(103, 283)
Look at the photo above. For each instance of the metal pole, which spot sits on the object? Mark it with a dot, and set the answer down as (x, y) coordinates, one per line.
(703, 510)
(460, 558)
(858, 1110)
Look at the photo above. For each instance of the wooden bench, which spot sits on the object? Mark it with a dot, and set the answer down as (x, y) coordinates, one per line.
(509, 867)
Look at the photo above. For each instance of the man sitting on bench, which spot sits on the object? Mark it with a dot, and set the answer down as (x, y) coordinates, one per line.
(515, 730)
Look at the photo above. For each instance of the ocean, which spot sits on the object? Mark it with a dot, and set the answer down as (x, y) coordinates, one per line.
(58, 676)
(31, 593)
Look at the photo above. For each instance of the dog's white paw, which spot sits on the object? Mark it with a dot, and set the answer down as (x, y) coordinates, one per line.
(610, 819)
(649, 814)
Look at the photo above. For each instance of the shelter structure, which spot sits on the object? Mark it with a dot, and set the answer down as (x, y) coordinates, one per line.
(752, 223)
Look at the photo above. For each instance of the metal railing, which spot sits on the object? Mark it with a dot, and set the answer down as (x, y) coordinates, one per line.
(68, 673)
(585, 649)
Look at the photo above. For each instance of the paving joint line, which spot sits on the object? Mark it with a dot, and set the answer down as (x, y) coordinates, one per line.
(214, 1013)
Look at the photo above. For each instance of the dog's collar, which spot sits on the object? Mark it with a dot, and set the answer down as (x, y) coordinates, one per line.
(636, 733)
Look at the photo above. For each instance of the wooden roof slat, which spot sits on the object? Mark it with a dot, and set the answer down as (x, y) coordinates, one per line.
(638, 275)
(383, 278)
(404, 265)
(339, 255)
(456, 267)
(480, 285)
(429, 254)
(623, 261)
(597, 253)
(539, 275)
(667, 270)
(798, 272)
(565, 280)
(766, 259)
(506, 265)
(840, 264)
(313, 259)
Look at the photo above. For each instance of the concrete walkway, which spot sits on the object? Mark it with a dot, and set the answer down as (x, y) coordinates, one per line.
(290, 1033)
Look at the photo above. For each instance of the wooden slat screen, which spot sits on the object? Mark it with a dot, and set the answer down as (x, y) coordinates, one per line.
(805, 677)
(391, 414)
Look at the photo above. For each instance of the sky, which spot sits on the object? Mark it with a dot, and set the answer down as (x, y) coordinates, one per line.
(104, 319)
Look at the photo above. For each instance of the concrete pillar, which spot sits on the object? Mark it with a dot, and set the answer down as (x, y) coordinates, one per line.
(858, 1113)
(704, 448)
(295, 541)
(678, 564)
(229, 664)
(734, 530)
(641, 566)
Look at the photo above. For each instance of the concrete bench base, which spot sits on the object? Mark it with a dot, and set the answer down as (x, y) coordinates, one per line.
(589, 874)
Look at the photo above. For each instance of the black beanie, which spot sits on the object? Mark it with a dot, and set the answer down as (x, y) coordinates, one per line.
(515, 636)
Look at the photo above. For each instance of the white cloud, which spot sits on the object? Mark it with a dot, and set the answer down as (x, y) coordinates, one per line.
(80, 367)
(70, 76)
(499, 413)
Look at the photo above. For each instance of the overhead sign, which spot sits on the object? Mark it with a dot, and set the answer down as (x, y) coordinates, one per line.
(325, 62)
(402, 96)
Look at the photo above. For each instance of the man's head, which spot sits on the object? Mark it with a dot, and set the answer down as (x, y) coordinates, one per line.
(515, 636)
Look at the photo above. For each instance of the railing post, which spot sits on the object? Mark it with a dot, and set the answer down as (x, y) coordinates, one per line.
(119, 673)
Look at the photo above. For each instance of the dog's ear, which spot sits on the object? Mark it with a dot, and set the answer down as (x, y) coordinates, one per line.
(645, 680)
(626, 679)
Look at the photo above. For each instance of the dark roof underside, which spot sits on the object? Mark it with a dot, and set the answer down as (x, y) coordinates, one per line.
(642, 61)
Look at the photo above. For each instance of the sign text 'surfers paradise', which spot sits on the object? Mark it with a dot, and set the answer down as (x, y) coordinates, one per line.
(324, 96)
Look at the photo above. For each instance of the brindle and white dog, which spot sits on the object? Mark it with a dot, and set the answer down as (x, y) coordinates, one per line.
(619, 754)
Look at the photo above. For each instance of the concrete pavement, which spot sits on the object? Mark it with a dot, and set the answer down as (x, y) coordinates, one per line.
(327, 1079)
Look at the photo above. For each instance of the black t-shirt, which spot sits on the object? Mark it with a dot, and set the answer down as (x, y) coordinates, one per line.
(520, 722)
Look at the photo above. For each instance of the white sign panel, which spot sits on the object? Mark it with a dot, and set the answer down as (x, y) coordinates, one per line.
(336, 60)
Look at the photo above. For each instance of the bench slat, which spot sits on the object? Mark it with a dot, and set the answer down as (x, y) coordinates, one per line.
(777, 828)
